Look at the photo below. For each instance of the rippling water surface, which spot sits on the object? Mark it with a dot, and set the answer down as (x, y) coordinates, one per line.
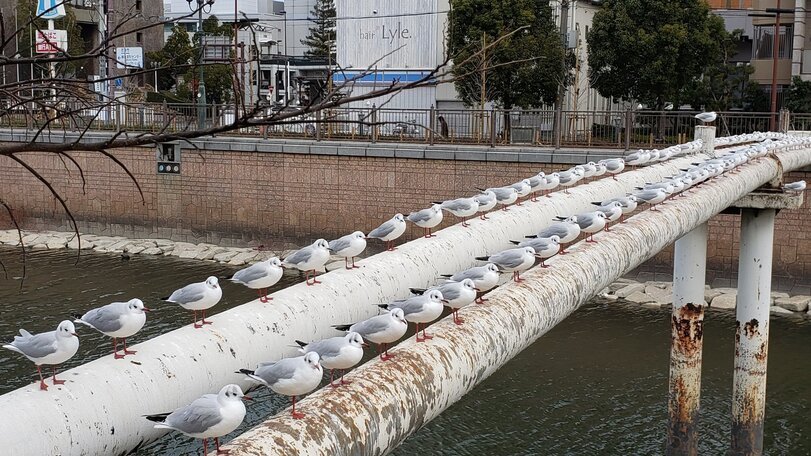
(595, 385)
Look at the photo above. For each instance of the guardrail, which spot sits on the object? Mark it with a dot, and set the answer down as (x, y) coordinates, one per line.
(605, 129)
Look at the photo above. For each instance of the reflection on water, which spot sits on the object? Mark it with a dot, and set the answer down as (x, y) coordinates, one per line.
(595, 385)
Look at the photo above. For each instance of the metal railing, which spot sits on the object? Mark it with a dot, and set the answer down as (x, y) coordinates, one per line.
(609, 129)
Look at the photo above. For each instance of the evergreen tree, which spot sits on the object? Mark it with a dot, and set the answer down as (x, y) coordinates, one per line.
(321, 40)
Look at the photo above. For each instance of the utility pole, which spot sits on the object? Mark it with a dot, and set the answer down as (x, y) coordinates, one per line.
(483, 94)
(564, 37)
(201, 85)
(775, 52)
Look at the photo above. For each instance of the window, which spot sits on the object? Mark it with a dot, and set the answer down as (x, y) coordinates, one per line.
(137, 5)
(139, 37)
(764, 41)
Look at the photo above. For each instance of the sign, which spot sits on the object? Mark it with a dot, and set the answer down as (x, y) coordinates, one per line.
(129, 57)
(52, 41)
(50, 9)
(119, 82)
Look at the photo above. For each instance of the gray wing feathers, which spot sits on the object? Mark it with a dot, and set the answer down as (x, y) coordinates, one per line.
(382, 230)
(299, 256)
(461, 204)
(37, 346)
(189, 293)
(420, 216)
(339, 244)
(450, 291)
(196, 417)
(370, 326)
(272, 373)
(557, 229)
(105, 319)
(251, 273)
(327, 348)
(509, 258)
(472, 274)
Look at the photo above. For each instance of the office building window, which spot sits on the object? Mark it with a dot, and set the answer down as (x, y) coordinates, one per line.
(137, 5)
(764, 41)
(139, 37)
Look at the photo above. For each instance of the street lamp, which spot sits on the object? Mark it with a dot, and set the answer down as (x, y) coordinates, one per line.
(775, 13)
(201, 91)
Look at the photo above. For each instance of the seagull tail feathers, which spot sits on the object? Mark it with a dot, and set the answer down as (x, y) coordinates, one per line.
(158, 418)
(515, 242)
(483, 258)
(341, 327)
(301, 344)
(417, 291)
(382, 306)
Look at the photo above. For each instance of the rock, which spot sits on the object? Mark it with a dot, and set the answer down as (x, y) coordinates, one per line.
(652, 305)
(662, 295)
(209, 254)
(187, 254)
(625, 281)
(56, 243)
(618, 286)
(608, 296)
(29, 238)
(242, 258)
(639, 298)
(9, 237)
(119, 246)
(152, 251)
(162, 242)
(226, 256)
(136, 249)
(39, 247)
(660, 285)
(630, 289)
(724, 301)
(711, 293)
(794, 304)
(86, 244)
(775, 310)
(777, 295)
(727, 290)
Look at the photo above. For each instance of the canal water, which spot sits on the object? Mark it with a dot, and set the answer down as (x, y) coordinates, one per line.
(595, 385)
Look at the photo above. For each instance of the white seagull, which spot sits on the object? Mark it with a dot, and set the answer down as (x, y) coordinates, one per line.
(260, 276)
(290, 376)
(567, 231)
(389, 231)
(795, 187)
(487, 201)
(349, 246)
(590, 222)
(420, 309)
(52, 347)
(116, 320)
(515, 260)
(340, 353)
(456, 295)
(544, 247)
(461, 207)
(484, 277)
(427, 219)
(380, 329)
(212, 415)
(198, 296)
(707, 117)
(308, 259)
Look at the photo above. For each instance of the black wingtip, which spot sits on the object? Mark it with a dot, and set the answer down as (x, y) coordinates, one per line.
(165, 299)
(158, 418)
(341, 327)
(531, 236)
(382, 306)
(437, 202)
(245, 371)
(480, 189)
(417, 291)
(76, 316)
(515, 242)
(301, 344)
(482, 258)
(447, 276)
(597, 203)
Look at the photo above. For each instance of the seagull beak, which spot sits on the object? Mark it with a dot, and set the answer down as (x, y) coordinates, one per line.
(74, 334)
(247, 398)
(365, 345)
(445, 301)
(477, 289)
(147, 309)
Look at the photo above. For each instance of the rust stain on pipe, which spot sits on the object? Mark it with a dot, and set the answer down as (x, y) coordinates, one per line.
(687, 334)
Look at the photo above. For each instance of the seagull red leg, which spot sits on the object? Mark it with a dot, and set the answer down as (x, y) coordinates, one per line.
(296, 415)
(344, 382)
(203, 321)
(331, 377)
(219, 451)
(115, 349)
(128, 352)
(196, 325)
(418, 333)
(353, 264)
(205, 446)
(42, 384)
(55, 380)
(315, 280)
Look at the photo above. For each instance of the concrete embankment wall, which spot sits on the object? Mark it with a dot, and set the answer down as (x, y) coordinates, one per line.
(233, 191)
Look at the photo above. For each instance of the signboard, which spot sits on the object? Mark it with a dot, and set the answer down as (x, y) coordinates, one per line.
(129, 57)
(52, 41)
(50, 9)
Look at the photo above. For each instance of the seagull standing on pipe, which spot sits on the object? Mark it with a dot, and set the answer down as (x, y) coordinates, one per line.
(52, 347)
(795, 187)
(613, 166)
(707, 117)
(567, 231)
(522, 188)
(590, 222)
(289, 377)
(485, 278)
(198, 296)
(420, 309)
(504, 195)
(652, 197)
(461, 207)
(260, 276)
(427, 219)
(349, 246)
(389, 231)
(456, 295)
(308, 259)
(381, 330)
(513, 260)
(212, 415)
(116, 320)
(487, 201)
(544, 247)
(612, 211)
(336, 353)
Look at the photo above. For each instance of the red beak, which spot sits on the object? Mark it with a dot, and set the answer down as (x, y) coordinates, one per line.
(477, 289)
(247, 398)
(74, 334)
(147, 309)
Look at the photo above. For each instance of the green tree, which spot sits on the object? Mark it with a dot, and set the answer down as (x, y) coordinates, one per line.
(26, 9)
(650, 50)
(523, 69)
(798, 97)
(174, 58)
(722, 84)
(321, 39)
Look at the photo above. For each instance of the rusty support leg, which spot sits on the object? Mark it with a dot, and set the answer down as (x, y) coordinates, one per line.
(684, 389)
(752, 331)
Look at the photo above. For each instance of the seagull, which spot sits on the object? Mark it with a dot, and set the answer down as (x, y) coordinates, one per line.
(212, 415)
(52, 347)
(349, 246)
(340, 353)
(290, 376)
(515, 260)
(308, 259)
(628, 204)
(536, 183)
(652, 197)
(523, 188)
(380, 329)
(570, 177)
(551, 181)
(487, 201)
(116, 320)
(504, 195)
(461, 207)
(420, 309)
(612, 211)
(567, 231)
(485, 278)
(795, 187)
(427, 219)
(637, 158)
(544, 247)
(198, 296)
(613, 166)
(456, 295)
(706, 117)
(389, 231)
(260, 276)
(590, 222)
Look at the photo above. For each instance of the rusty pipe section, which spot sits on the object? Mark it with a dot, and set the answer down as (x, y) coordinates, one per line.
(100, 409)
(389, 401)
(752, 331)
(687, 332)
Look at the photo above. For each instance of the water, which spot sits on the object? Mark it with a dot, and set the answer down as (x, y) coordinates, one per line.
(596, 384)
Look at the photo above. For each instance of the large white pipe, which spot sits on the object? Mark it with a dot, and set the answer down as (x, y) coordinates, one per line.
(388, 401)
(99, 410)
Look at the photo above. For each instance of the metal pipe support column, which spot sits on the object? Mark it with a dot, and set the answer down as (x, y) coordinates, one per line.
(687, 324)
(752, 331)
